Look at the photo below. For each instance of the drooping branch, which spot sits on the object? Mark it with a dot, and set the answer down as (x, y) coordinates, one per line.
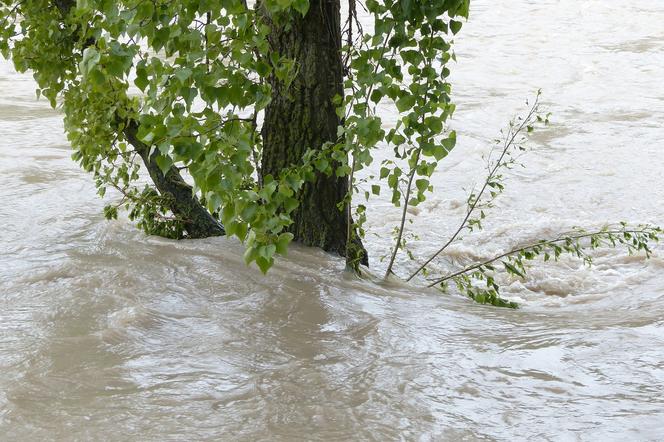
(180, 197)
(197, 220)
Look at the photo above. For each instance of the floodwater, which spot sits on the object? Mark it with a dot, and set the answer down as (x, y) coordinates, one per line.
(106, 334)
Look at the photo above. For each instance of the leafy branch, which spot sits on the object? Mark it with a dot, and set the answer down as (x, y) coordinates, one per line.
(575, 243)
(426, 139)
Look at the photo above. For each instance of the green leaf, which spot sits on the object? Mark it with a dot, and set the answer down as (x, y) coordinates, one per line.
(406, 7)
(301, 6)
(164, 163)
(90, 59)
(282, 243)
(511, 269)
(376, 96)
(455, 26)
(250, 255)
(264, 264)
(241, 231)
(406, 103)
(141, 80)
(183, 74)
(422, 185)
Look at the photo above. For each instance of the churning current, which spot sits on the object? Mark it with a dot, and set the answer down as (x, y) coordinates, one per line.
(106, 334)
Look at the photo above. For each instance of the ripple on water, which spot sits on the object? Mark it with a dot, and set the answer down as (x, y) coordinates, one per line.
(107, 333)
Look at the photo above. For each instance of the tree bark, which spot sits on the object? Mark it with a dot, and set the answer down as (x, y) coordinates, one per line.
(304, 117)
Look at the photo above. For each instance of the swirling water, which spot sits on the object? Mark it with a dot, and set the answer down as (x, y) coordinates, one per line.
(106, 334)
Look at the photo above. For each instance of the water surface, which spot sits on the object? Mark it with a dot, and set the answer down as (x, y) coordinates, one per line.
(108, 334)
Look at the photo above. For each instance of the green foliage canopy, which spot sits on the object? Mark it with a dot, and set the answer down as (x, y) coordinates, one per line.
(191, 78)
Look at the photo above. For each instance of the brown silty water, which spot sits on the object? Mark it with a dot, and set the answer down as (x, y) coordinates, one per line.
(106, 334)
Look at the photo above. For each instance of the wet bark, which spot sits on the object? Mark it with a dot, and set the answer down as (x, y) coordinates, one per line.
(303, 117)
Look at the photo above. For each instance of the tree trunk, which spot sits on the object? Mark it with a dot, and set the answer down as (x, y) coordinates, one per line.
(304, 117)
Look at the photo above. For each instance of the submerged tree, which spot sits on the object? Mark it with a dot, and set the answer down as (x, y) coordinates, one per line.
(261, 105)
(250, 119)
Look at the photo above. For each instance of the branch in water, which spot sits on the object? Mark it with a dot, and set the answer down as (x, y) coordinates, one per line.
(574, 243)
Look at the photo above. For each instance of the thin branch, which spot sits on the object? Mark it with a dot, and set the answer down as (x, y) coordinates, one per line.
(537, 244)
(10, 13)
(351, 184)
(409, 189)
(404, 215)
(509, 141)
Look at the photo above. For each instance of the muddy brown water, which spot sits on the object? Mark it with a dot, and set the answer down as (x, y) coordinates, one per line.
(106, 334)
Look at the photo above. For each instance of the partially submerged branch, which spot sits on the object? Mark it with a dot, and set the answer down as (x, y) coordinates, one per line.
(575, 243)
(176, 195)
